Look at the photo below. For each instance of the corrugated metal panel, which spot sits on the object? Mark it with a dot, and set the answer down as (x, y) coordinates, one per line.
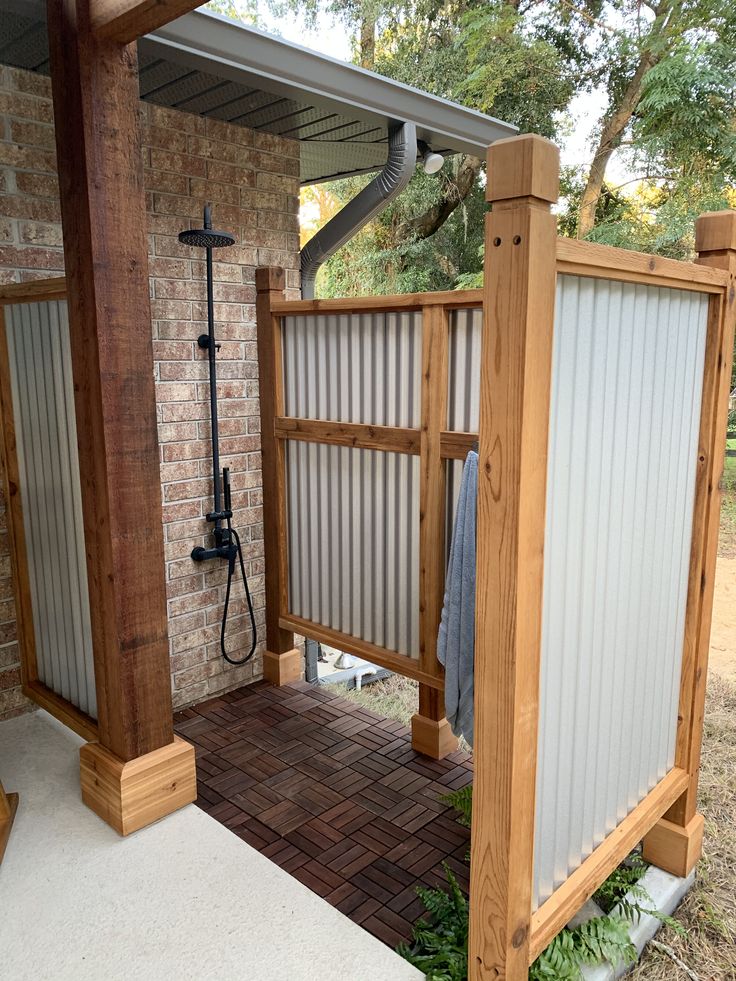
(363, 368)
(463, 395)
(48, 463)
(354, 514)
(353, 540)
(626, 395)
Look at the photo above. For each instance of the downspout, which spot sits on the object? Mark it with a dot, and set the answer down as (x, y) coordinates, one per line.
(396, 174)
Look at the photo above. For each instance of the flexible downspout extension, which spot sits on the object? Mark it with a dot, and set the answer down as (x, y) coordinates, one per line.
(396, 174)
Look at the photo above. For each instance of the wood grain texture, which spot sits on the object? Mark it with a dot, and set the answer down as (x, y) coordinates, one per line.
(564, 902)
(335, 795)
(450, 299)
(35, 289)
(129, 796)
(576, 258)
(125, 21)
(389, 439)
(270, 286)
(516, 354)
(455, 446)
(673, 847)
(716, 242)
(97, 128)
(8, 809)
(283, 668)
(61, 709)
(384, 658)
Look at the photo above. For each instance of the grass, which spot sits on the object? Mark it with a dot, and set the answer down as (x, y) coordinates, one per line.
(727, 546)
(395, 698)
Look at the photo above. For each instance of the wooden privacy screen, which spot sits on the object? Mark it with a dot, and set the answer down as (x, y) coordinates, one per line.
(370, 398)
(603, 395)
(40, 472)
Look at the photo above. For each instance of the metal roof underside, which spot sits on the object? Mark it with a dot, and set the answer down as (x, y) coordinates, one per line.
(205, 64)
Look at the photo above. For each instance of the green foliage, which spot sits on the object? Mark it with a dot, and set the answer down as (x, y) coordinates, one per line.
(462, 801)
(439, 946)
(604, 939)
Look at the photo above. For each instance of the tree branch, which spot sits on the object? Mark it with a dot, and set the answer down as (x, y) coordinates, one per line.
(455, 192)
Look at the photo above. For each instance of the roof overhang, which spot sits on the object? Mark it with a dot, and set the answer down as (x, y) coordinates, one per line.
(209, 65)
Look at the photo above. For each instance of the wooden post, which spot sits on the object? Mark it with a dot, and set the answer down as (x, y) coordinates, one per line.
(430, 730)
(675, 842)
(518, 316)
(282, 662)
(8, 808)
(138, 771)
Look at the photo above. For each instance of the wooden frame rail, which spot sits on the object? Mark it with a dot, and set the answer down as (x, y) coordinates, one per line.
(431, 441)
(33, 688)
(521, 263)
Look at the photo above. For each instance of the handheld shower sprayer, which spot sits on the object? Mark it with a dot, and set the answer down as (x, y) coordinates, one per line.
(227, 541)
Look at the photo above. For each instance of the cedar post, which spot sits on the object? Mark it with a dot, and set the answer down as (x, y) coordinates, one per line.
(282, 662)
(516, 353)
(138, 771)
(8, 807)
(430, 730)
(675, 842)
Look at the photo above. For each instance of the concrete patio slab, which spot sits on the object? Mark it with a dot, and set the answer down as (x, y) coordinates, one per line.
(183, 899)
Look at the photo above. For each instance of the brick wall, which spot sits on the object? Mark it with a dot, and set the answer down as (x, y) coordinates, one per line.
(252, 181)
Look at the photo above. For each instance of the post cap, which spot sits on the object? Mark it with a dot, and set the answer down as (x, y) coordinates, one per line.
(715, 231)
(523, 166)
(270, 278)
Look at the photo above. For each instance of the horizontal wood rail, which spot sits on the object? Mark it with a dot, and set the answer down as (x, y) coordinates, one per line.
(576, 258)
(408, 666)
(34, 290)
(61, 709)
(449, 299)
(565, 901)
(387, 439)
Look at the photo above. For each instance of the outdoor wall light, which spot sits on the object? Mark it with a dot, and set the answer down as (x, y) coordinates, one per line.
(432, 162)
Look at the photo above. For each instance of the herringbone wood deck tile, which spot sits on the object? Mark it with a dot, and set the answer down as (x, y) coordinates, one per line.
(334, 795)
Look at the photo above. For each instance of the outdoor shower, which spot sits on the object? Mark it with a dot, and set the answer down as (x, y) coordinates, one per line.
(227, 541)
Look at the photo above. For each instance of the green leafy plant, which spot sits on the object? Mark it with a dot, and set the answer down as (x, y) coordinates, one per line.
(439, 944)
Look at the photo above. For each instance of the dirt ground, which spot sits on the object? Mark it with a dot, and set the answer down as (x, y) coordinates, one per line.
(723, 631)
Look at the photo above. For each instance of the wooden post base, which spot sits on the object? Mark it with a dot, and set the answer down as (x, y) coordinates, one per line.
(433, 739)
(282, 669)
(8, 809)
(674, 848)
(129, 796)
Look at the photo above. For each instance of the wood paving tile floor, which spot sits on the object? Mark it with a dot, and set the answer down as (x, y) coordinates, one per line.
(334, 794)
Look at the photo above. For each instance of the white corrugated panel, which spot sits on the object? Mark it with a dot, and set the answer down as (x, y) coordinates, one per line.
(353, 540)
(48, 463)
(624, 419)
(354, 367)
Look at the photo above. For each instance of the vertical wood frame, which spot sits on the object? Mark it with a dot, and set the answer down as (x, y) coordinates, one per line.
(281, 662)
(676, 842)
(516, 363)
(33, 687)
(98, 141)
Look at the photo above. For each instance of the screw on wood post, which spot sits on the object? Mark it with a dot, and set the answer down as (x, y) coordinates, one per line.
(282, 663)
(675, 842)
(516, 357)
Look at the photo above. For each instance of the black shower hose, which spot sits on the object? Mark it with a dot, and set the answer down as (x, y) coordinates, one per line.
(230, 570)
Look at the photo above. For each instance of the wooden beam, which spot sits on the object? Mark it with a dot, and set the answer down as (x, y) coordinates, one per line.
(675, 844)
(34, 289)
(384, 658)
(124, 21)
(390, 439)
(430, 730)
(450, 299)
(575, 258)
(96, 111)
(282, 663)
(565, 902)
(516, 356)
(8, 809)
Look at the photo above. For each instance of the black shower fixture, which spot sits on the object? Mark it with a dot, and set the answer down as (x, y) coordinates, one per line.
(227, 541)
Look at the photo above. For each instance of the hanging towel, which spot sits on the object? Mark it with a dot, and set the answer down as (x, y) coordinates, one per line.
(456, 638)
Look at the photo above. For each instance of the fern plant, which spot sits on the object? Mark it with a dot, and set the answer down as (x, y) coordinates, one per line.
(439, 944)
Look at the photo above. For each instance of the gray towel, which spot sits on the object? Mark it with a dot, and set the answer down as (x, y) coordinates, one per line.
(456, 638)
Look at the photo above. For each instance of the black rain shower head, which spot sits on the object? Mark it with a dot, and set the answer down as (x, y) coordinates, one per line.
(207, 237)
